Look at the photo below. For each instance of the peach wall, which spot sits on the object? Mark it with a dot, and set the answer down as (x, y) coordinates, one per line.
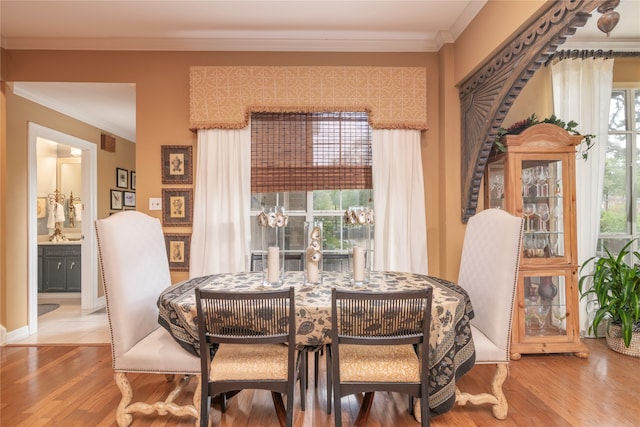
(21, 111)
(626, 70)
(3, 202)
(486, 34)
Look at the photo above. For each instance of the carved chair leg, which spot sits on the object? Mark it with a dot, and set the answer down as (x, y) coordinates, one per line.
(501, 407)
(126, 408)
(122, 417)
(497, 399)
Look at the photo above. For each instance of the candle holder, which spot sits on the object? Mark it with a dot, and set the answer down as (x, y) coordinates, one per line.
(313, 263)
(273, 222)
(359, 221)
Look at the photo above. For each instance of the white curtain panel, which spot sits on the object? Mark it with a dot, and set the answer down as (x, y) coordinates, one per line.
(221, 237)
(582, 92)
(400, 231)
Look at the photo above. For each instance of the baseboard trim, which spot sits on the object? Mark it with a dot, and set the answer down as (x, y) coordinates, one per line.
(18, 334)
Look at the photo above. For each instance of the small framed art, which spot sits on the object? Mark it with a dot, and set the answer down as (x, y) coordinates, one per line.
(178, 251)
(177, 207)
(122, 178)
(116, 200)
(177, 164)
(41, 206)
(132, 181)
(129, 200)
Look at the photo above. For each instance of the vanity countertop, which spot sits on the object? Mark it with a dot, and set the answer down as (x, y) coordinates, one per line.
(66, 242)
(71, 240)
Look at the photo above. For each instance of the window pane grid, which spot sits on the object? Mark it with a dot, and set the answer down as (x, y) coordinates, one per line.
(621, 197)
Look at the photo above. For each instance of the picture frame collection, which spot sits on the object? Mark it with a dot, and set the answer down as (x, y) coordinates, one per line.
(177, 202)
(123, 197)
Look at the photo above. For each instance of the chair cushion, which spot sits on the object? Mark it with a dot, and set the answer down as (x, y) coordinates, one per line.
(386, 363)
(486, 350)
(250, 362)
(158, 353)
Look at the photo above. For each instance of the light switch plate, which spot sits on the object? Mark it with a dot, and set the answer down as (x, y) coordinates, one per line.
(155, 203)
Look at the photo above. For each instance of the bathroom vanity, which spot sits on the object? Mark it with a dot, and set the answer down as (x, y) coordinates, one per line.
(59, 267)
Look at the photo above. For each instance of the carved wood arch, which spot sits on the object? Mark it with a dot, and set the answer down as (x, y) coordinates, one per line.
(485, 97)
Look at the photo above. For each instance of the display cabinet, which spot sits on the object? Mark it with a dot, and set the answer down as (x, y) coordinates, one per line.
(535, 179)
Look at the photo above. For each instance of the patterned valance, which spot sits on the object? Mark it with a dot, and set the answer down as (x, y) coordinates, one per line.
(224, 97)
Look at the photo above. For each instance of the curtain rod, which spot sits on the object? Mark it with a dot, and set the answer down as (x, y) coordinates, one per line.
(586, 53)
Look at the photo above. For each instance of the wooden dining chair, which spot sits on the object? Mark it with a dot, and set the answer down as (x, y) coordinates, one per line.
(489, 273)
(256, 348)
(135, 270)
(380, 342)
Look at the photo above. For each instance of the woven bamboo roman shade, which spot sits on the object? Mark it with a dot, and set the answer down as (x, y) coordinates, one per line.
(310, 151)
(224, 97)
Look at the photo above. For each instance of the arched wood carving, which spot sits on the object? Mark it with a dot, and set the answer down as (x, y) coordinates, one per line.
(485, 98)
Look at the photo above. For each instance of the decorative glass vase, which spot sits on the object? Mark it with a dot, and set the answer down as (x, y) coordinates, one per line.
(273, 222)
(313, 263)
(359, 221)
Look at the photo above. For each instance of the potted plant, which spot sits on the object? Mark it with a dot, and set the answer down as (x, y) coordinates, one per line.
(615, 283)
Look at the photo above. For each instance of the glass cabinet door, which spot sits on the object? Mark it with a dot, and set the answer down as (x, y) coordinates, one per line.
(542, 209)
(545, 305)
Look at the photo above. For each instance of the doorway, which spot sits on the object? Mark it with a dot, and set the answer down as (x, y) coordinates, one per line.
(38, 134)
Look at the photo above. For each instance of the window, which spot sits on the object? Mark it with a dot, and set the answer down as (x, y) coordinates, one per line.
(620, 215)
(316, 165)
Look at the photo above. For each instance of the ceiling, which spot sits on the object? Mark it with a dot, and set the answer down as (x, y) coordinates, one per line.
(240, 25)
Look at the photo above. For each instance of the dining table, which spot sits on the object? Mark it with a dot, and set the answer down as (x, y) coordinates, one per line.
(452, 349)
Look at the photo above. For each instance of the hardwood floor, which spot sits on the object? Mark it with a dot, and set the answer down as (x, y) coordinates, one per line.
(71, 385)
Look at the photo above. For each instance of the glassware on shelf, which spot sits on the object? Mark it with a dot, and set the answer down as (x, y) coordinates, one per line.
(527, 181)
(542, 209)
(528, 210)
(542, 181)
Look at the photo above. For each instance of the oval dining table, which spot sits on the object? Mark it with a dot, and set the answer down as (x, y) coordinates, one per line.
(452, 355)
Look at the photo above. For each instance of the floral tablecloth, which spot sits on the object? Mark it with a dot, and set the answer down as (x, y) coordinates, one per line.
(453, 353)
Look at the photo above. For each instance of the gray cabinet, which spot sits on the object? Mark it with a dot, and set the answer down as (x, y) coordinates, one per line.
(60, 268)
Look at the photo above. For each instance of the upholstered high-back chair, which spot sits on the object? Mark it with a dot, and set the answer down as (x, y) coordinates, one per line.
(135, 270)
(489, 273)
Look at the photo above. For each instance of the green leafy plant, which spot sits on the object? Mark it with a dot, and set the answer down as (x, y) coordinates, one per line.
(616, 286)
(518, 127)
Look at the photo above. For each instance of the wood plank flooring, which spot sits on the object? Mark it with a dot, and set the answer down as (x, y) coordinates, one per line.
(70, 385)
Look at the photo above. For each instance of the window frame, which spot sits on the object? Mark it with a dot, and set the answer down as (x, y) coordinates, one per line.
(615, 240)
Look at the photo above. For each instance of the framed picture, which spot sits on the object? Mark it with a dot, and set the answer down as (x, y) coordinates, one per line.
(177, 207)
(41, 207)
(133, 180)
(122, 178)
(178, 250)
(116, 200)
(177, 164)
(129, 199)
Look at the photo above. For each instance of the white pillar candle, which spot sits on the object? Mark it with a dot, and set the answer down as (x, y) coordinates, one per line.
(358, 264)
(273, 264)
(312, 271)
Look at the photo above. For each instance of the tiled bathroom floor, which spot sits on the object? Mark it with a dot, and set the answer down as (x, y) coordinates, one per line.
(69, 325)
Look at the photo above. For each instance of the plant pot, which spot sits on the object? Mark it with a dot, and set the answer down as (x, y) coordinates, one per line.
(616, 343)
